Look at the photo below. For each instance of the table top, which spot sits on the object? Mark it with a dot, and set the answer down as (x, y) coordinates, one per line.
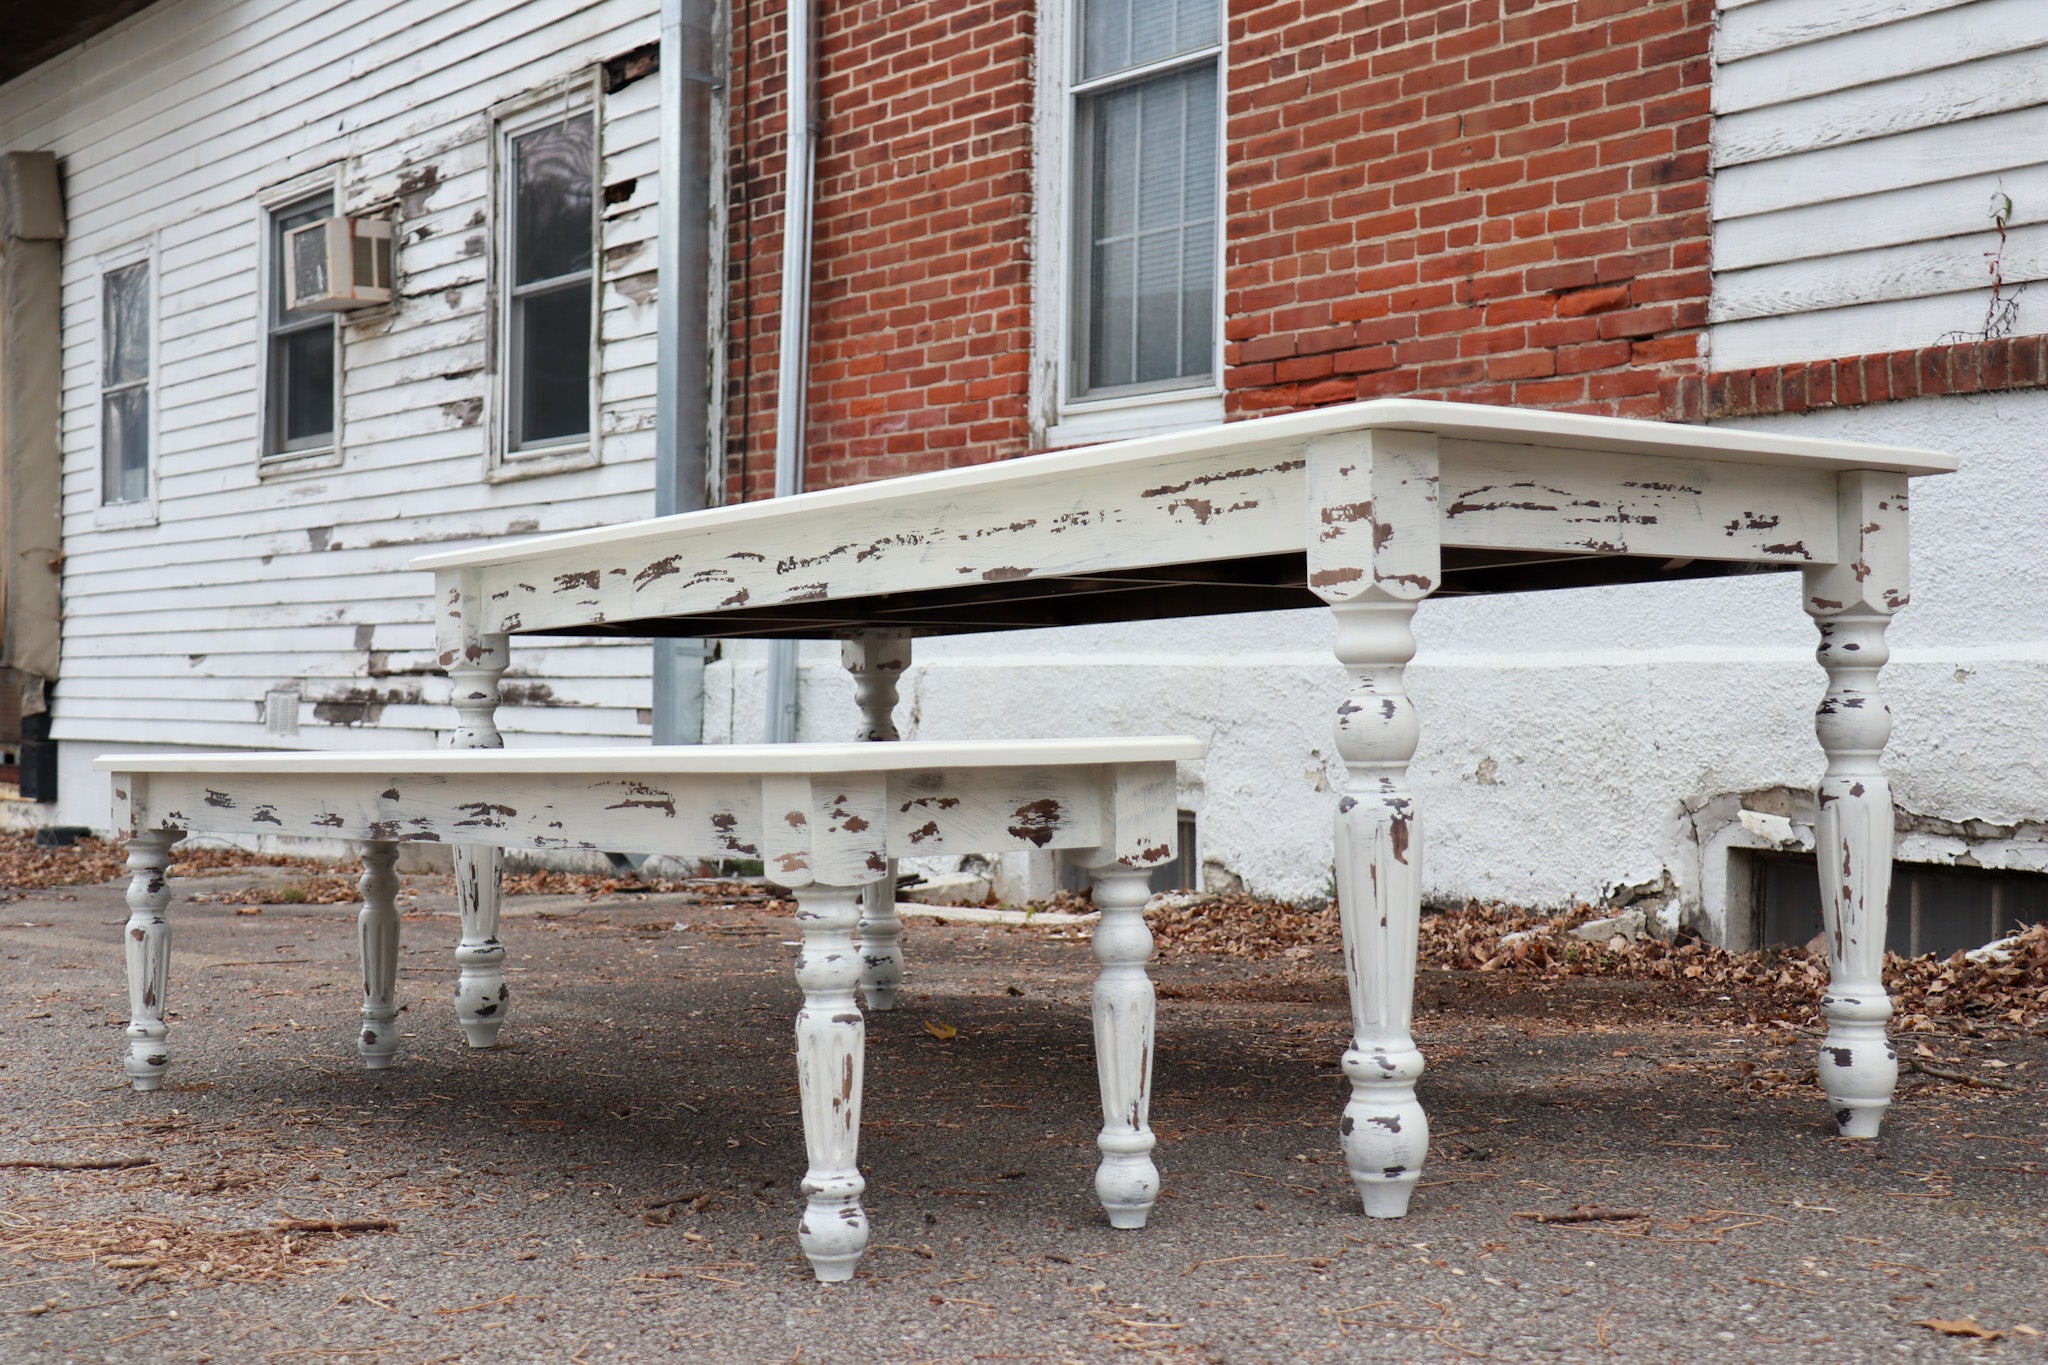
(686, 759)
(1205, 522)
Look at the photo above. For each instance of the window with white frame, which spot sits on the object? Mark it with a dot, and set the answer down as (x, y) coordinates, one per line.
(1143, 85)
(299, 348)
(125, 363)
(548, 208)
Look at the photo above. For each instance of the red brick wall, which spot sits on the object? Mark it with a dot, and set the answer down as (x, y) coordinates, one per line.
(1499, 201)
(921, 323)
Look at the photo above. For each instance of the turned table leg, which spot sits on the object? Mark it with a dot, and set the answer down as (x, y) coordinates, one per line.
(1126, 1181)
(1852, 601)
(876, 659)
(377, 933)
(149, 955)
(1379, 890)
(480, 990)
(830, 1035)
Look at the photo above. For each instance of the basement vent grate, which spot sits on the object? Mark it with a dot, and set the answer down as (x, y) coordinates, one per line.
(1184, 873)
(1933, 909)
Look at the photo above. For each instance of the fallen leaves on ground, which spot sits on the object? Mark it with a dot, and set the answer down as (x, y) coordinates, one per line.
(166, 1250)
(1959, 1327)
(25, 866)
(1493, 938)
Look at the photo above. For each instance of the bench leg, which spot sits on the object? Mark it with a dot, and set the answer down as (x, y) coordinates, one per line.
(1126, 1181)
(830, 1035)
(876, 659)
(480, 991)
(148, 939)
(1379, 890)
(377, 933)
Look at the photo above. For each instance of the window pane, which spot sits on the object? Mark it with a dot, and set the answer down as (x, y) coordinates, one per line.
(553, 171)
(125, 323)
(553, 331)
(302, 387)
(124, 445)
(298, 215)
(1152, 224)
(1116, 34)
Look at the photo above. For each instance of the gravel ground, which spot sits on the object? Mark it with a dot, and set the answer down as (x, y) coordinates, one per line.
(619, 1181)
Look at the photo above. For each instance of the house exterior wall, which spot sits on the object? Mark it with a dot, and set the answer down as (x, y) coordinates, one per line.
(1514, 201)
(169, 128)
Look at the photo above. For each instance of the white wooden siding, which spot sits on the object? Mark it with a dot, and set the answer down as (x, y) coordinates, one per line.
(168, 128)
(1858, 147)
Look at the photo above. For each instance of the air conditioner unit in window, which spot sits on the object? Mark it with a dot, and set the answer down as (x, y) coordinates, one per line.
(338, 264)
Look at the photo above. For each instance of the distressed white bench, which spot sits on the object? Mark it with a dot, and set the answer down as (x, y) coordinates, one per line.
(824, 819)
(1364, 508)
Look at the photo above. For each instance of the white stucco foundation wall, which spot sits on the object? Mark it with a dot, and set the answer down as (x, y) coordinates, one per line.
(1567, 737)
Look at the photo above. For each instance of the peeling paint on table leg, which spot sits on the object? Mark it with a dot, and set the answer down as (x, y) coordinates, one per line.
(1853, 844)
(1126, 1181)
(481, 995)
(148, 940)
(876, 660)
(830, 1042)
(377, 934)
(1379, 888)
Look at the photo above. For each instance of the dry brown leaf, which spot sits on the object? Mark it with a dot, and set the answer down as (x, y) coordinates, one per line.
(940, 1030)
(1959, 1327)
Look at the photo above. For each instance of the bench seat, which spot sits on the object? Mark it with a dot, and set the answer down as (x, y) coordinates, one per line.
(825, 820)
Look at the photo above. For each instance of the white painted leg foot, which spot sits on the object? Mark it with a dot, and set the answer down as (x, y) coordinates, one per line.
(149, 957)
(1126, 1181)
(830, 1036)
(1853, 835)
(480, 992)
(881, 953)
(377, 933)
(1379, 888)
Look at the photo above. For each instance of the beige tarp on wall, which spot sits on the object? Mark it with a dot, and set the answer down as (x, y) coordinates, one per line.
(31, 258)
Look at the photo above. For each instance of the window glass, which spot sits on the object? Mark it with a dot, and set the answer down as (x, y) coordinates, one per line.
(299, 402)
(127, 323)
(124, 386)
(1118, 34)
(1152, 229)
(552, 175)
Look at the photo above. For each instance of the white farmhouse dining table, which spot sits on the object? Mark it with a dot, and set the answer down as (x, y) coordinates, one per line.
(1367, 508)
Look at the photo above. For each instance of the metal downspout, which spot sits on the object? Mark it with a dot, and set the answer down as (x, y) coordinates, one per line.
(689, 79)
(792, 361)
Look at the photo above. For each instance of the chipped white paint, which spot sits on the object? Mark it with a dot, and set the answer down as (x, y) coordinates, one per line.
(1126, 1181)
(149, 956)
(377, 934)
(826, 821)
(1852, 603)
(829, 1050)
(481, 996)
(1369, 507)
(876, 659)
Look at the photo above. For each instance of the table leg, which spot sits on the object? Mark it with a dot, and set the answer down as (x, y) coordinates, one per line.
(377, 933)
(876, 659)
(830, 1038)
(480, 990)
(1127, 1181)
(149, 955)
(1379, 890)
(1853, 841)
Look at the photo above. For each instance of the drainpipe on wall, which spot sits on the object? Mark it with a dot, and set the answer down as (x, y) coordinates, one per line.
(792, 356)
(682, 303)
